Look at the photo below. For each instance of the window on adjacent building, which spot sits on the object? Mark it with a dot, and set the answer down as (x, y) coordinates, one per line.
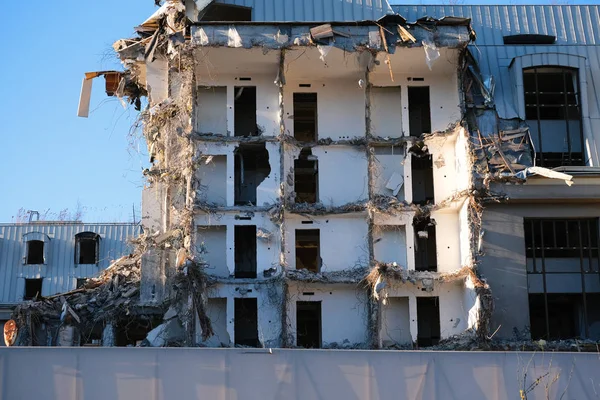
(87, 246)
(35, 252)
(553, 113)
(563, 277)
(33, 288)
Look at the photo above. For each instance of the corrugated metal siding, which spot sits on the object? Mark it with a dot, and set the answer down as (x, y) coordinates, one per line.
(572, 25)
(60, 273)
(576, 27)
(314, 10)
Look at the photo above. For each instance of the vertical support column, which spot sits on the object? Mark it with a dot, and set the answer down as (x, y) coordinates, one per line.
(108, 335)
(230, 110)
(231, 319)
(405, 119)
(412, 313)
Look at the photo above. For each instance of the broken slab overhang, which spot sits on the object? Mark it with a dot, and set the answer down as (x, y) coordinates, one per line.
(347, 37)
(112, 79)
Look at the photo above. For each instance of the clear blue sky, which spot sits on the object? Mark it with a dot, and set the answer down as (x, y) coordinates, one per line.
(50, 158)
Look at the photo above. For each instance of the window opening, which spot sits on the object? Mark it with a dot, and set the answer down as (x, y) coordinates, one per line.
(86, 248)
(246, 322)
(422, 182)
(80, 282)
(305, 117)
(245, 111)
(428, 321)
(553, 113)
(226, 12)
(419, 113)
(563, 272)
(425, 245)
(35, 252)
(308, 254)
(251, 169)
(245, 251)
(306, 177)
(33, 288)
(308, 324)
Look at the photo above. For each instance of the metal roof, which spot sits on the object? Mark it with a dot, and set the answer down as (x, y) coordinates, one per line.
(314, 10)
(60, 273)
(577, 31)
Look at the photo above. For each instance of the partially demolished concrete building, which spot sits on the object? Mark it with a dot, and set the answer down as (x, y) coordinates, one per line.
(345, 177)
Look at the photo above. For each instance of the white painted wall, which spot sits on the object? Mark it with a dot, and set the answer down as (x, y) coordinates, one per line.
(465, 229)
(395, 321)
(157, 80)
(342, 174)
(390, 244)
(445, 179)
(343, 311)
(386, 111)
(389, 161)
(211, 174)
(447, 230)
(340, 107)
(268, 252)
(344, 243)
(211, 247)
(211, 110)
(266, 193)
(217, 312)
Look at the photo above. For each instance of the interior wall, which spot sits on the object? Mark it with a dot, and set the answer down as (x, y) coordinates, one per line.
(447, 230)
(212, 177)
(211, 247)
(386, 111)
(216, 310)
(390, 244)
(395, 322)
(343, 240)
(389, 162)
(211, 110)
(343, 312)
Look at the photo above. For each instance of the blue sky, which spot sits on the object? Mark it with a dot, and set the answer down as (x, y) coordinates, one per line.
(50, 158)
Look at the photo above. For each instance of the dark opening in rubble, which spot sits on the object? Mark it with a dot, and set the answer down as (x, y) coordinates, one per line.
(305, 117)
(428, 321)
(425, 245)
(245, 251)
(306, 177)
(422, 180)
(33, 287)
(566, 319)
(419, 113)
(226, 12)
(246, 322)
(35, 252)
(308, 324)
(244, 109)
(92, 338)
(133, 331)
(251, 168)
(308, 252)
(80, 282)
(86, 248)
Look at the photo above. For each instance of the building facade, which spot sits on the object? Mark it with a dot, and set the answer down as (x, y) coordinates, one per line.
(539, 248)
(46, 258)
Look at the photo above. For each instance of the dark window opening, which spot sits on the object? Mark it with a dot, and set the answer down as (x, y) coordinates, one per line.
(33, 288)
(306, 177)
(35, 252)
(86, 248)
(246, 322)
(529, 39)
(244, 108)
(92, 338)
(428, 321)
(227, 13)
(425, 245)
(563, 268)
(308, 254)
(251, 168)
(553, 113)
(245, 251)
(308, 324)
(133, 332)
(305, 117)
(419, 113)
(80, 283)
(422, 181)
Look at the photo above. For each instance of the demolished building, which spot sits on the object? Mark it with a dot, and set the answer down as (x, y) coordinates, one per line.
(336, 178)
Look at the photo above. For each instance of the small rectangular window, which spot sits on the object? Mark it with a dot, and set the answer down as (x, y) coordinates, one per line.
(308, 253)
(35, 252)
(305, 117)
(33, 288)
(308, 324)
(419, 110)
(246, 322)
